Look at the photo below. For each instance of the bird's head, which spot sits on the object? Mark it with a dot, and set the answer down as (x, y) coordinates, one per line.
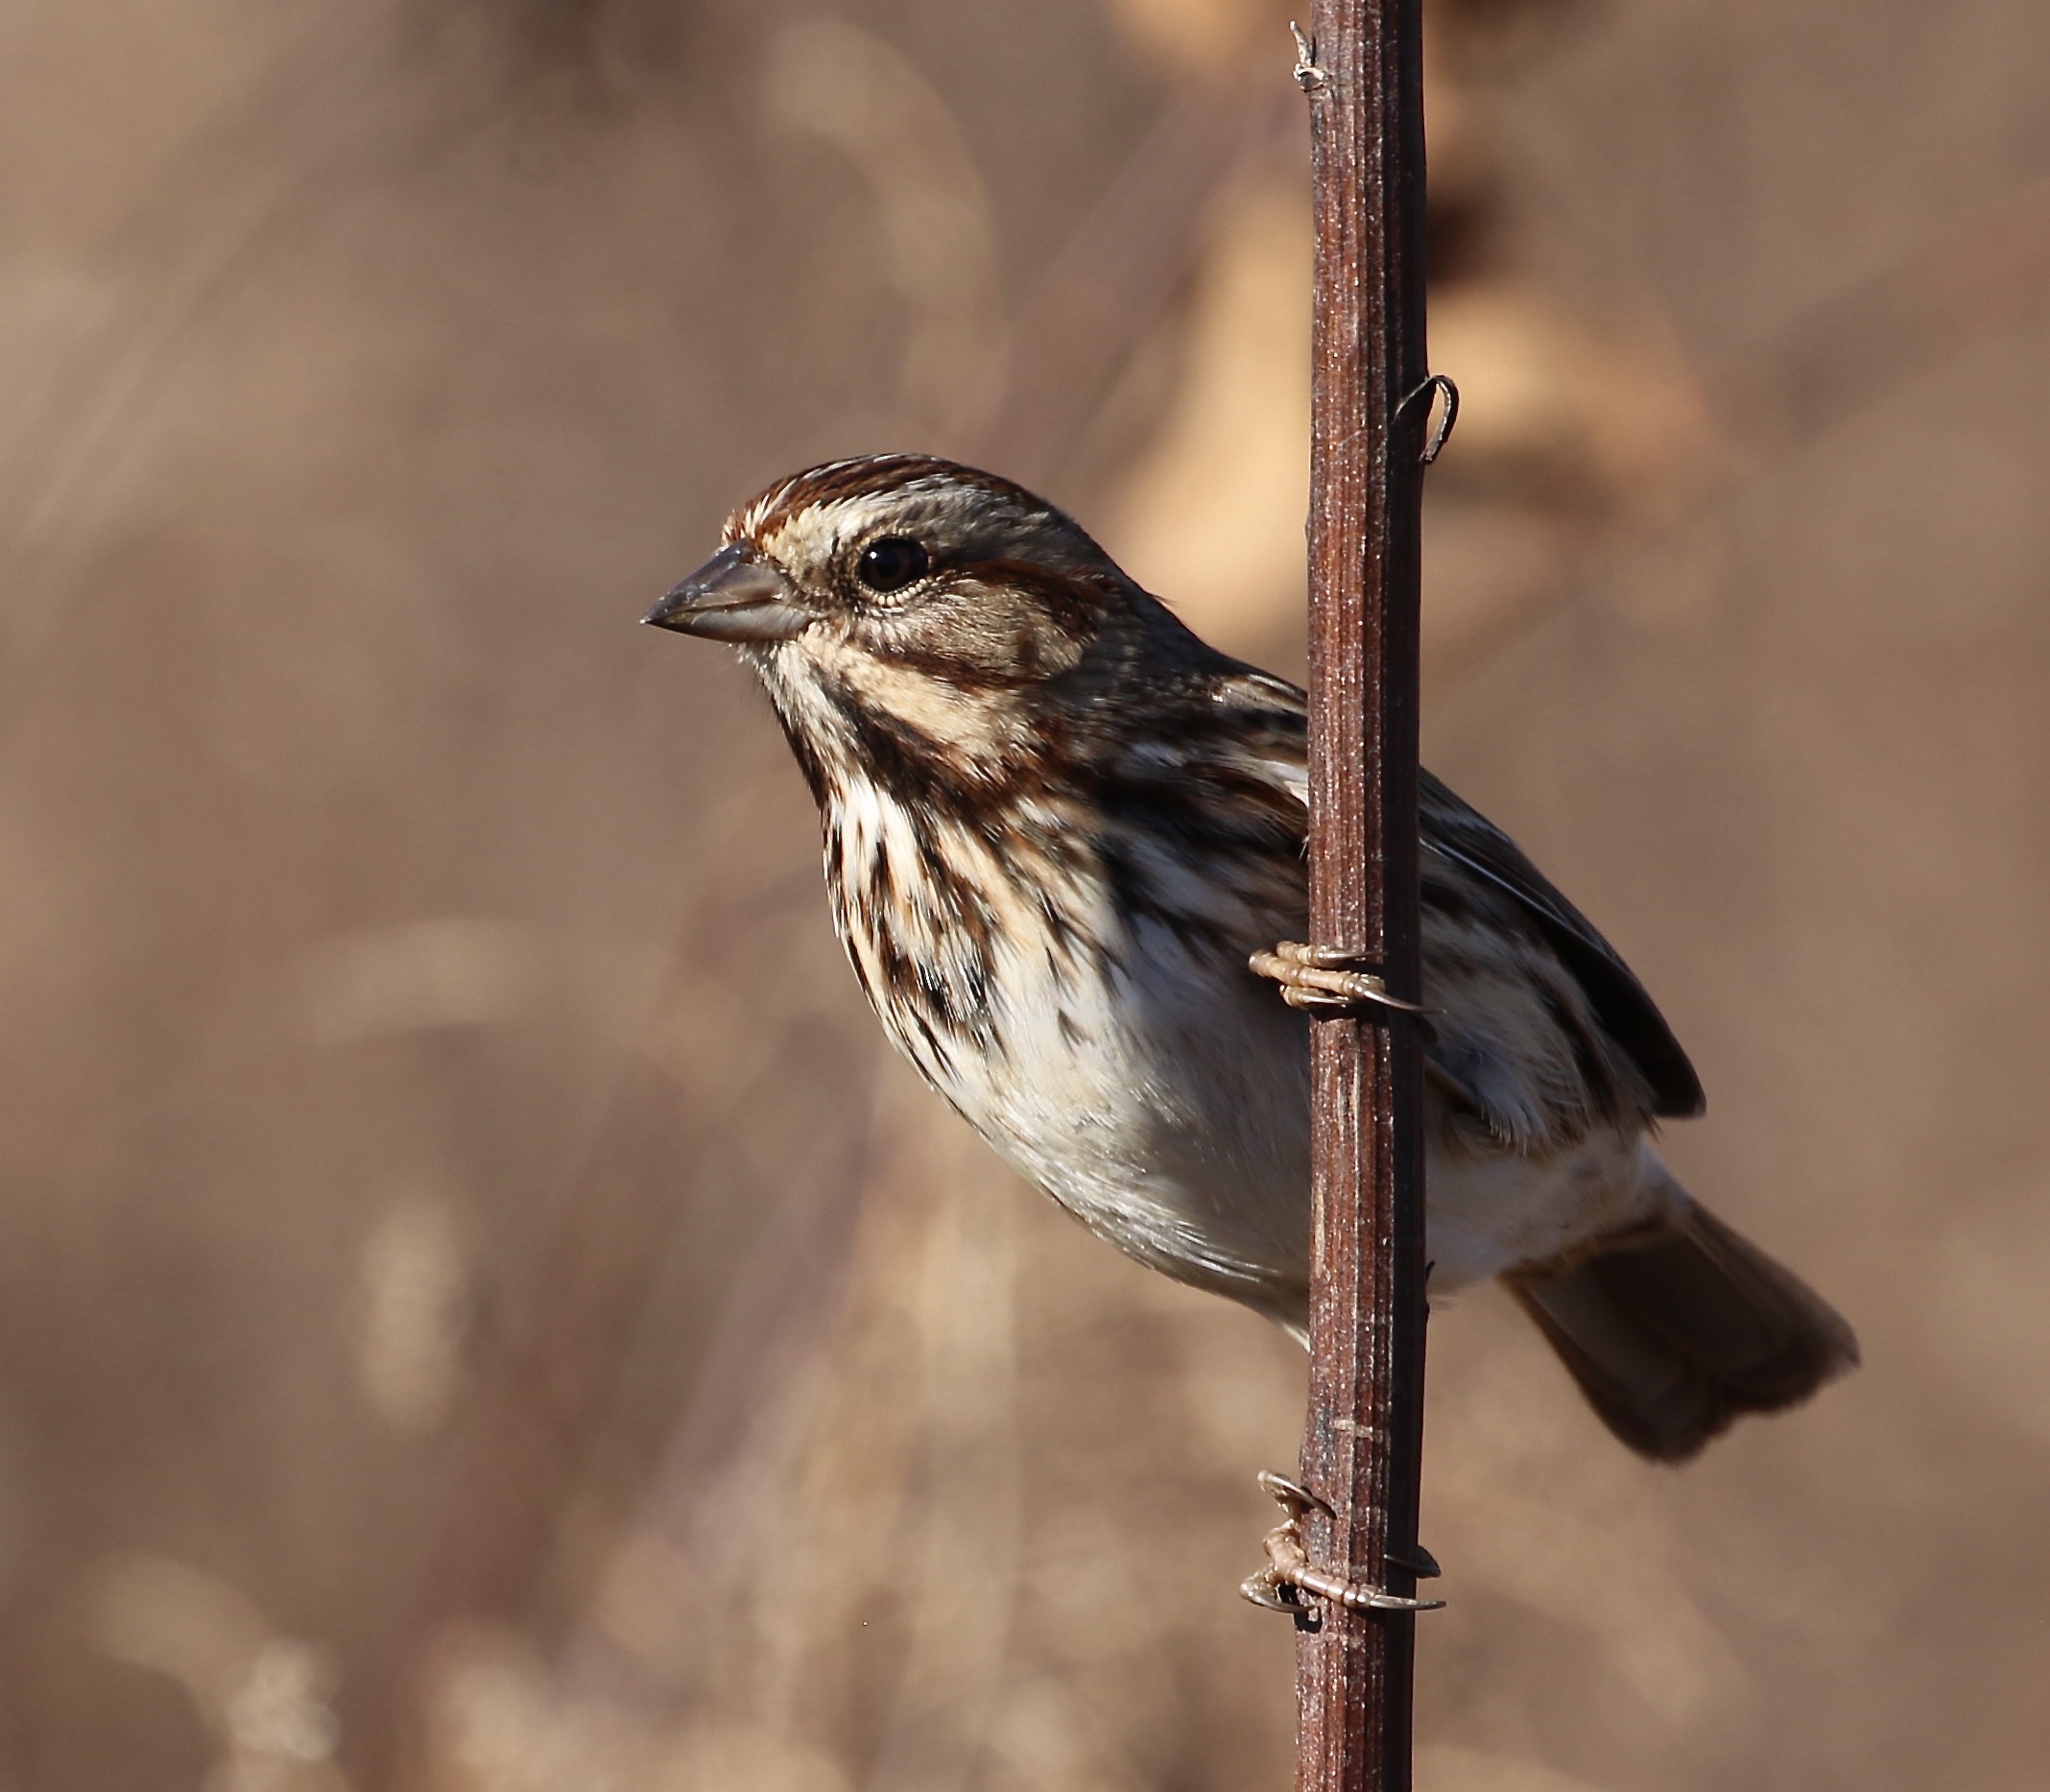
(916, 603)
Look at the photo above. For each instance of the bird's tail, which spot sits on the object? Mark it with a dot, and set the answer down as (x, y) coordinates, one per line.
(1676, 1327)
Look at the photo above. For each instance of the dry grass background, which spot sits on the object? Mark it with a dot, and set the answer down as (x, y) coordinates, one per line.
(478, 1311)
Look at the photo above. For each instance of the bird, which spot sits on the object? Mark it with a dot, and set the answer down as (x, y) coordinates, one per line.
(1057, 827)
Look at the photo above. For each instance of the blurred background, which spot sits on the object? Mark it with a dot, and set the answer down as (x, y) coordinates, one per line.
(480, 1313)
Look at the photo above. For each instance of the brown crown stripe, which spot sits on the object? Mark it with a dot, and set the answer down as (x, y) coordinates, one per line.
(835, 481)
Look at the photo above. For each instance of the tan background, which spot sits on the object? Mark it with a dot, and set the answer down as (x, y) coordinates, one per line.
(478, 1311)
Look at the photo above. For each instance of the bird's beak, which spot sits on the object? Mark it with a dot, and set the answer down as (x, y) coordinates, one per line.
(732, 597)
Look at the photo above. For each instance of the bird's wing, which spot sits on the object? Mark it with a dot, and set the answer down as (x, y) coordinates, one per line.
(1458, 832)
(1461, 833)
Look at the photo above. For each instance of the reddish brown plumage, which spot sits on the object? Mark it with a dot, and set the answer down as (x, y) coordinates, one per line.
(1057, 824)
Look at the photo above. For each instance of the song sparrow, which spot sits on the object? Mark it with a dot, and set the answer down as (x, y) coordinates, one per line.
(1057, 824)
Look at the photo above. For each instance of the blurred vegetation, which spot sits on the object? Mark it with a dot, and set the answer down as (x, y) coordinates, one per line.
(480, 1310)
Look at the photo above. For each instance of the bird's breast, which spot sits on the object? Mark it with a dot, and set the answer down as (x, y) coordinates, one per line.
(1115, 1050)
(1110, 1043)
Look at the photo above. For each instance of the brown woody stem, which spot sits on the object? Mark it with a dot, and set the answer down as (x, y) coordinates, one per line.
(1363, 1440)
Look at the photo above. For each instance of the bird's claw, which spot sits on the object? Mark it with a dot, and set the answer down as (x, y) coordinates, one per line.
(1330, 981)
(1282, 1584)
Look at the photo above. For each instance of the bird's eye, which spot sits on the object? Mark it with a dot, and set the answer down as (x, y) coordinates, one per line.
(891, 562)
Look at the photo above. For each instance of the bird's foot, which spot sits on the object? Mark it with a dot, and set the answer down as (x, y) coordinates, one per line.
(1329, 980)
(1289, 1576)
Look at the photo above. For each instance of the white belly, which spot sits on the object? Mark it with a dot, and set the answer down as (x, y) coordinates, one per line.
(1160, 1093)
(1181, 1133)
